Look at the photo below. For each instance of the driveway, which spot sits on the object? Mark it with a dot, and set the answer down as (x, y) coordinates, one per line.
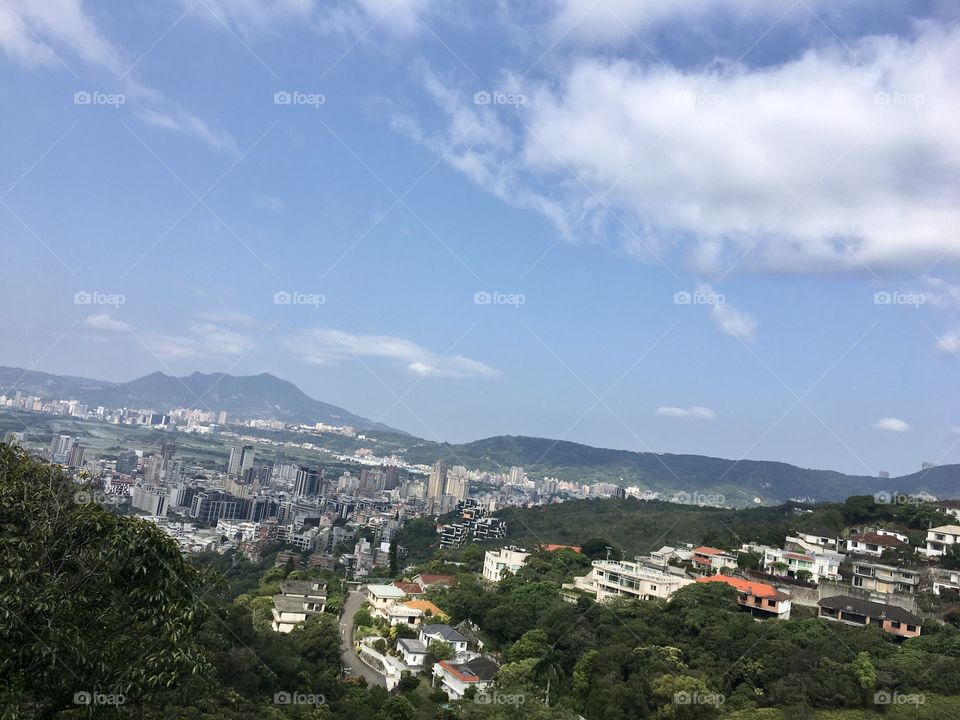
(349, 658)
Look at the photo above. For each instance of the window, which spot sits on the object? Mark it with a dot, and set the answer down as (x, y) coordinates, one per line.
(911, 628)
(771, 603)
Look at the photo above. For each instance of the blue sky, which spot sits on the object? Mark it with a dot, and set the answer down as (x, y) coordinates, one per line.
(722, 227)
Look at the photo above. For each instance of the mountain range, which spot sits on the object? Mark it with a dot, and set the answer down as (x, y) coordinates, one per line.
(266, 396)
(243, 397)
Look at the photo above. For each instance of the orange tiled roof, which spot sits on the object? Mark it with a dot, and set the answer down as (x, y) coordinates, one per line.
(745, 586)
(453, 670)
(704, 550)
(410, 588)
(551, 547)
(424, 606)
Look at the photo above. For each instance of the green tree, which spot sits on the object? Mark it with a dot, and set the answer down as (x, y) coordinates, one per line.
(393, 559)
(91, 601)
(436, 651)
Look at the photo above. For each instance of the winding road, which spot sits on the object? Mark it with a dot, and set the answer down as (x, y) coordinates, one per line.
(349, 657)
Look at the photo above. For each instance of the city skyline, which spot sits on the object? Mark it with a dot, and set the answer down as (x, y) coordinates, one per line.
(736, 240)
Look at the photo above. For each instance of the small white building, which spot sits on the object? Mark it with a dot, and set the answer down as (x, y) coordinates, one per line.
(508, 558)
(413, 652)
(939, 540)
(620, 578)
(455, 677)
(381, 597)
(298, 599)
(432, 633)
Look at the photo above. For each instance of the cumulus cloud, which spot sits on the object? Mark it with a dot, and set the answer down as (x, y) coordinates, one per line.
(890, 424)
(325, 346)
(103, 321)
(696, 412)
(828, 161)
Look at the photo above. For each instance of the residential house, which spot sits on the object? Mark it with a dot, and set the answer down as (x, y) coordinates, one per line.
(819, 536)
(382, 596)
(872, 543)
(298, 599)
(760, 599)
(820, 563)
(431, 633)
(508, 558)
(621, 578)
(884, 578)
(709, 559)
(409, 588)
(856, 611)
(940, 539)
(945, 580)
(455, 677)
(413, 652)
(400, 614)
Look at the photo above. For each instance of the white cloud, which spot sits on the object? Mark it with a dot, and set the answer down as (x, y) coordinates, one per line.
(728, 318)
(825, 162)
(55, 32)
(613, 21)
(325, 346)
(103, 321)
(891, 424)
(37, 33)
(696, 412)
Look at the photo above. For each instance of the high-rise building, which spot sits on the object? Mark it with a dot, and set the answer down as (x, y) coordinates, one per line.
(437, 484)
(246, 459)
(127, 464)
(307, 483)
(76, 455)
(517, 476)
(61, 446)
(233, 464)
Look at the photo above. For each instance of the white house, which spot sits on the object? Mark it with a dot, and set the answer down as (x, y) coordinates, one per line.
(431, 633)
(413, 652)
(621, 578)
(298, 599)
(874, 543)
(401, 614)
(455, 677)
(939, 540)
(381, 597)
(508, 558)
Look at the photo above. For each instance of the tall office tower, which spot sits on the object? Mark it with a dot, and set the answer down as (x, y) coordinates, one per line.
(233, 465)
(307, 483)
(127, 464)
(60, 447)
(246, 459)
(391, 477)
(167, 450)
(438, 481)
(458, 486)
(76, 455)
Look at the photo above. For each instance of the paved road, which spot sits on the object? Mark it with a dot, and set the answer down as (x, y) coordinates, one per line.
(349, 658)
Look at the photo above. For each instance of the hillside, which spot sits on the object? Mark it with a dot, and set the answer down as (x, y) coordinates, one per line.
(738, 481)
(243, 397)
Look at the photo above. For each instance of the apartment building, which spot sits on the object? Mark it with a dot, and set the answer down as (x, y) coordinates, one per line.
(298, 599)
(821, 563)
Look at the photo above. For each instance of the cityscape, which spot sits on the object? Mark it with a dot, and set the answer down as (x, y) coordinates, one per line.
(424, 360)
